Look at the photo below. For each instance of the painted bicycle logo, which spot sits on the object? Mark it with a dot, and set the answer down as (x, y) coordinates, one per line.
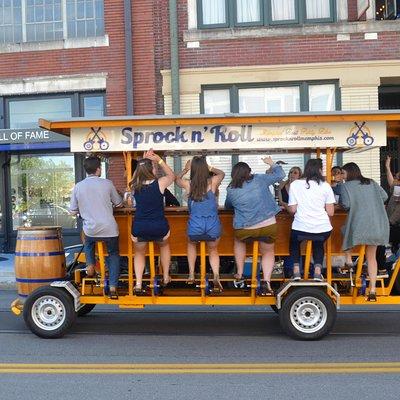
(96, 137)
(360, 132)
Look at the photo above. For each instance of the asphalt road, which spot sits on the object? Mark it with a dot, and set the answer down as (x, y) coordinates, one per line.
(200, 353)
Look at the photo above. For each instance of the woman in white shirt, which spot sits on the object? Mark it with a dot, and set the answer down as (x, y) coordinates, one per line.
(311, 200)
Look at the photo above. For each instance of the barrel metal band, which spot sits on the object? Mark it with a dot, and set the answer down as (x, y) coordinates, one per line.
(38, 238)
(28, 280)
(51, 253)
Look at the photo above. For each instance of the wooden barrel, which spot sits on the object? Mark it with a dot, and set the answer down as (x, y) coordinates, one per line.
(39, 258)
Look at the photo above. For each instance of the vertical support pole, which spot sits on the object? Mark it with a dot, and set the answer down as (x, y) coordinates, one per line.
(330, 153)
(128, 169)
(254, 271)
(360, 262)
(329, 260)
(307, 261)
(152, 266)
(100, 252)
(203, 269)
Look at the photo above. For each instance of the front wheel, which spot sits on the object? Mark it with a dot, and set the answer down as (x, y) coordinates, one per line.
(49, 312)
(307, 314)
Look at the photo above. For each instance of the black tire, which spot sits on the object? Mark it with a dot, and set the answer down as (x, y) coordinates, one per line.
(274, 308)
(307, 313)
(49, 312)
(86, 308)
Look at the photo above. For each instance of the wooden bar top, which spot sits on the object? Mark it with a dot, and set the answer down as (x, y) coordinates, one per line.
(177, 218)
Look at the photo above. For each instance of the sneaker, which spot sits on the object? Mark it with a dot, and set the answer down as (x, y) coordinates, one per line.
(318, 278)
(266, 290)
(296, 276)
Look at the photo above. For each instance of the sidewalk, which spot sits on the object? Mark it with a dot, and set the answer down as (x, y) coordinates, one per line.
(7, 275)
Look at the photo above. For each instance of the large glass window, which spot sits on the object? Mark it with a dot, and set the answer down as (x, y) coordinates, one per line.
(41, 187)
(269, 100)
(322, 97)
(213, 12)
(228, 13)
(93, 106)
(318, 9)
(255, 98)
(248, 11)
(39, 20)
(216, 101)
(283, 10)
(25, 113)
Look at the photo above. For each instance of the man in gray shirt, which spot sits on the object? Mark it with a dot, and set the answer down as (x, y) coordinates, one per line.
(94, 198)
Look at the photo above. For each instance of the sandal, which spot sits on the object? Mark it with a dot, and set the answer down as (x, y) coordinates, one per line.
(371, 297)
(90, 272)
(266, 289)
(112, 294)
(138, 291)
(217, 284)
(165, 283)
(191, 280)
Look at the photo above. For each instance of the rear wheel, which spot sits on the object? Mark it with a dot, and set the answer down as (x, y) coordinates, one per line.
(307, 314)
(49, 312)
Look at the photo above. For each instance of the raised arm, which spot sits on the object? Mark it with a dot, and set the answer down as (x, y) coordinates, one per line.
(389, 175)
(179, 178)
(217, 178)
(169, 177)
(275, 172)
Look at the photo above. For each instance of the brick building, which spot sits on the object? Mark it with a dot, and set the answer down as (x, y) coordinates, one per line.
(67, 58)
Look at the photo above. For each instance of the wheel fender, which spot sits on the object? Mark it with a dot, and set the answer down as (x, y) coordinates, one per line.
(72, 290)
(285, 289)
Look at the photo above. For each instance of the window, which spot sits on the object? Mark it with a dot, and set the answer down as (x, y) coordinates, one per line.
(93, 106)
(230, 13)
(322, 97)
(41, 20)
(41, 187)
(271, 98)
(387, 9)
(25, 113)
(216, 101)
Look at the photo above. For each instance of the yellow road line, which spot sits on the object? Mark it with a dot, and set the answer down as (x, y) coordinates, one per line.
(278, 368)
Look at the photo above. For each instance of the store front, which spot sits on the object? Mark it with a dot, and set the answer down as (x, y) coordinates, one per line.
(38, 171)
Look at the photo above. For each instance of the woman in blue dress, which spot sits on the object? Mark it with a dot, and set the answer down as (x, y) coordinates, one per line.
(149, 222)
(203, 223)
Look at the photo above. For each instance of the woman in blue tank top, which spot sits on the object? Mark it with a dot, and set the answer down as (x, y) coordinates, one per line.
(149, 222)
(203, 223)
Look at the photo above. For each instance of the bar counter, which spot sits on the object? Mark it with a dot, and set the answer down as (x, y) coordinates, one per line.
(177, 217)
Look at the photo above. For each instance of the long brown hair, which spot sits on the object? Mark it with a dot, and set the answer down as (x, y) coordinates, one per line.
(143, 172)
(199, 177)
(354, 173)
(241, 172)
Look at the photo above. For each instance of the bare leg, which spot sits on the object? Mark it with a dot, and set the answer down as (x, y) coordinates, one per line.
(191, 256)
(239, 249)
(370, 253)
(139, 261)
(267, 251)
(165, 256)
(213, 256)
(349, 261)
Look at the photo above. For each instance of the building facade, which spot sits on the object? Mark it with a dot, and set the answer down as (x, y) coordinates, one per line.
(69, 58)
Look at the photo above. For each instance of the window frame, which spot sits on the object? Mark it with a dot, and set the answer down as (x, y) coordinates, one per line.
(266, 16)
(64, 21)
(303, 91)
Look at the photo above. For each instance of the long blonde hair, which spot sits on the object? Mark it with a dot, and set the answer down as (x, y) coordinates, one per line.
(143, 173)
